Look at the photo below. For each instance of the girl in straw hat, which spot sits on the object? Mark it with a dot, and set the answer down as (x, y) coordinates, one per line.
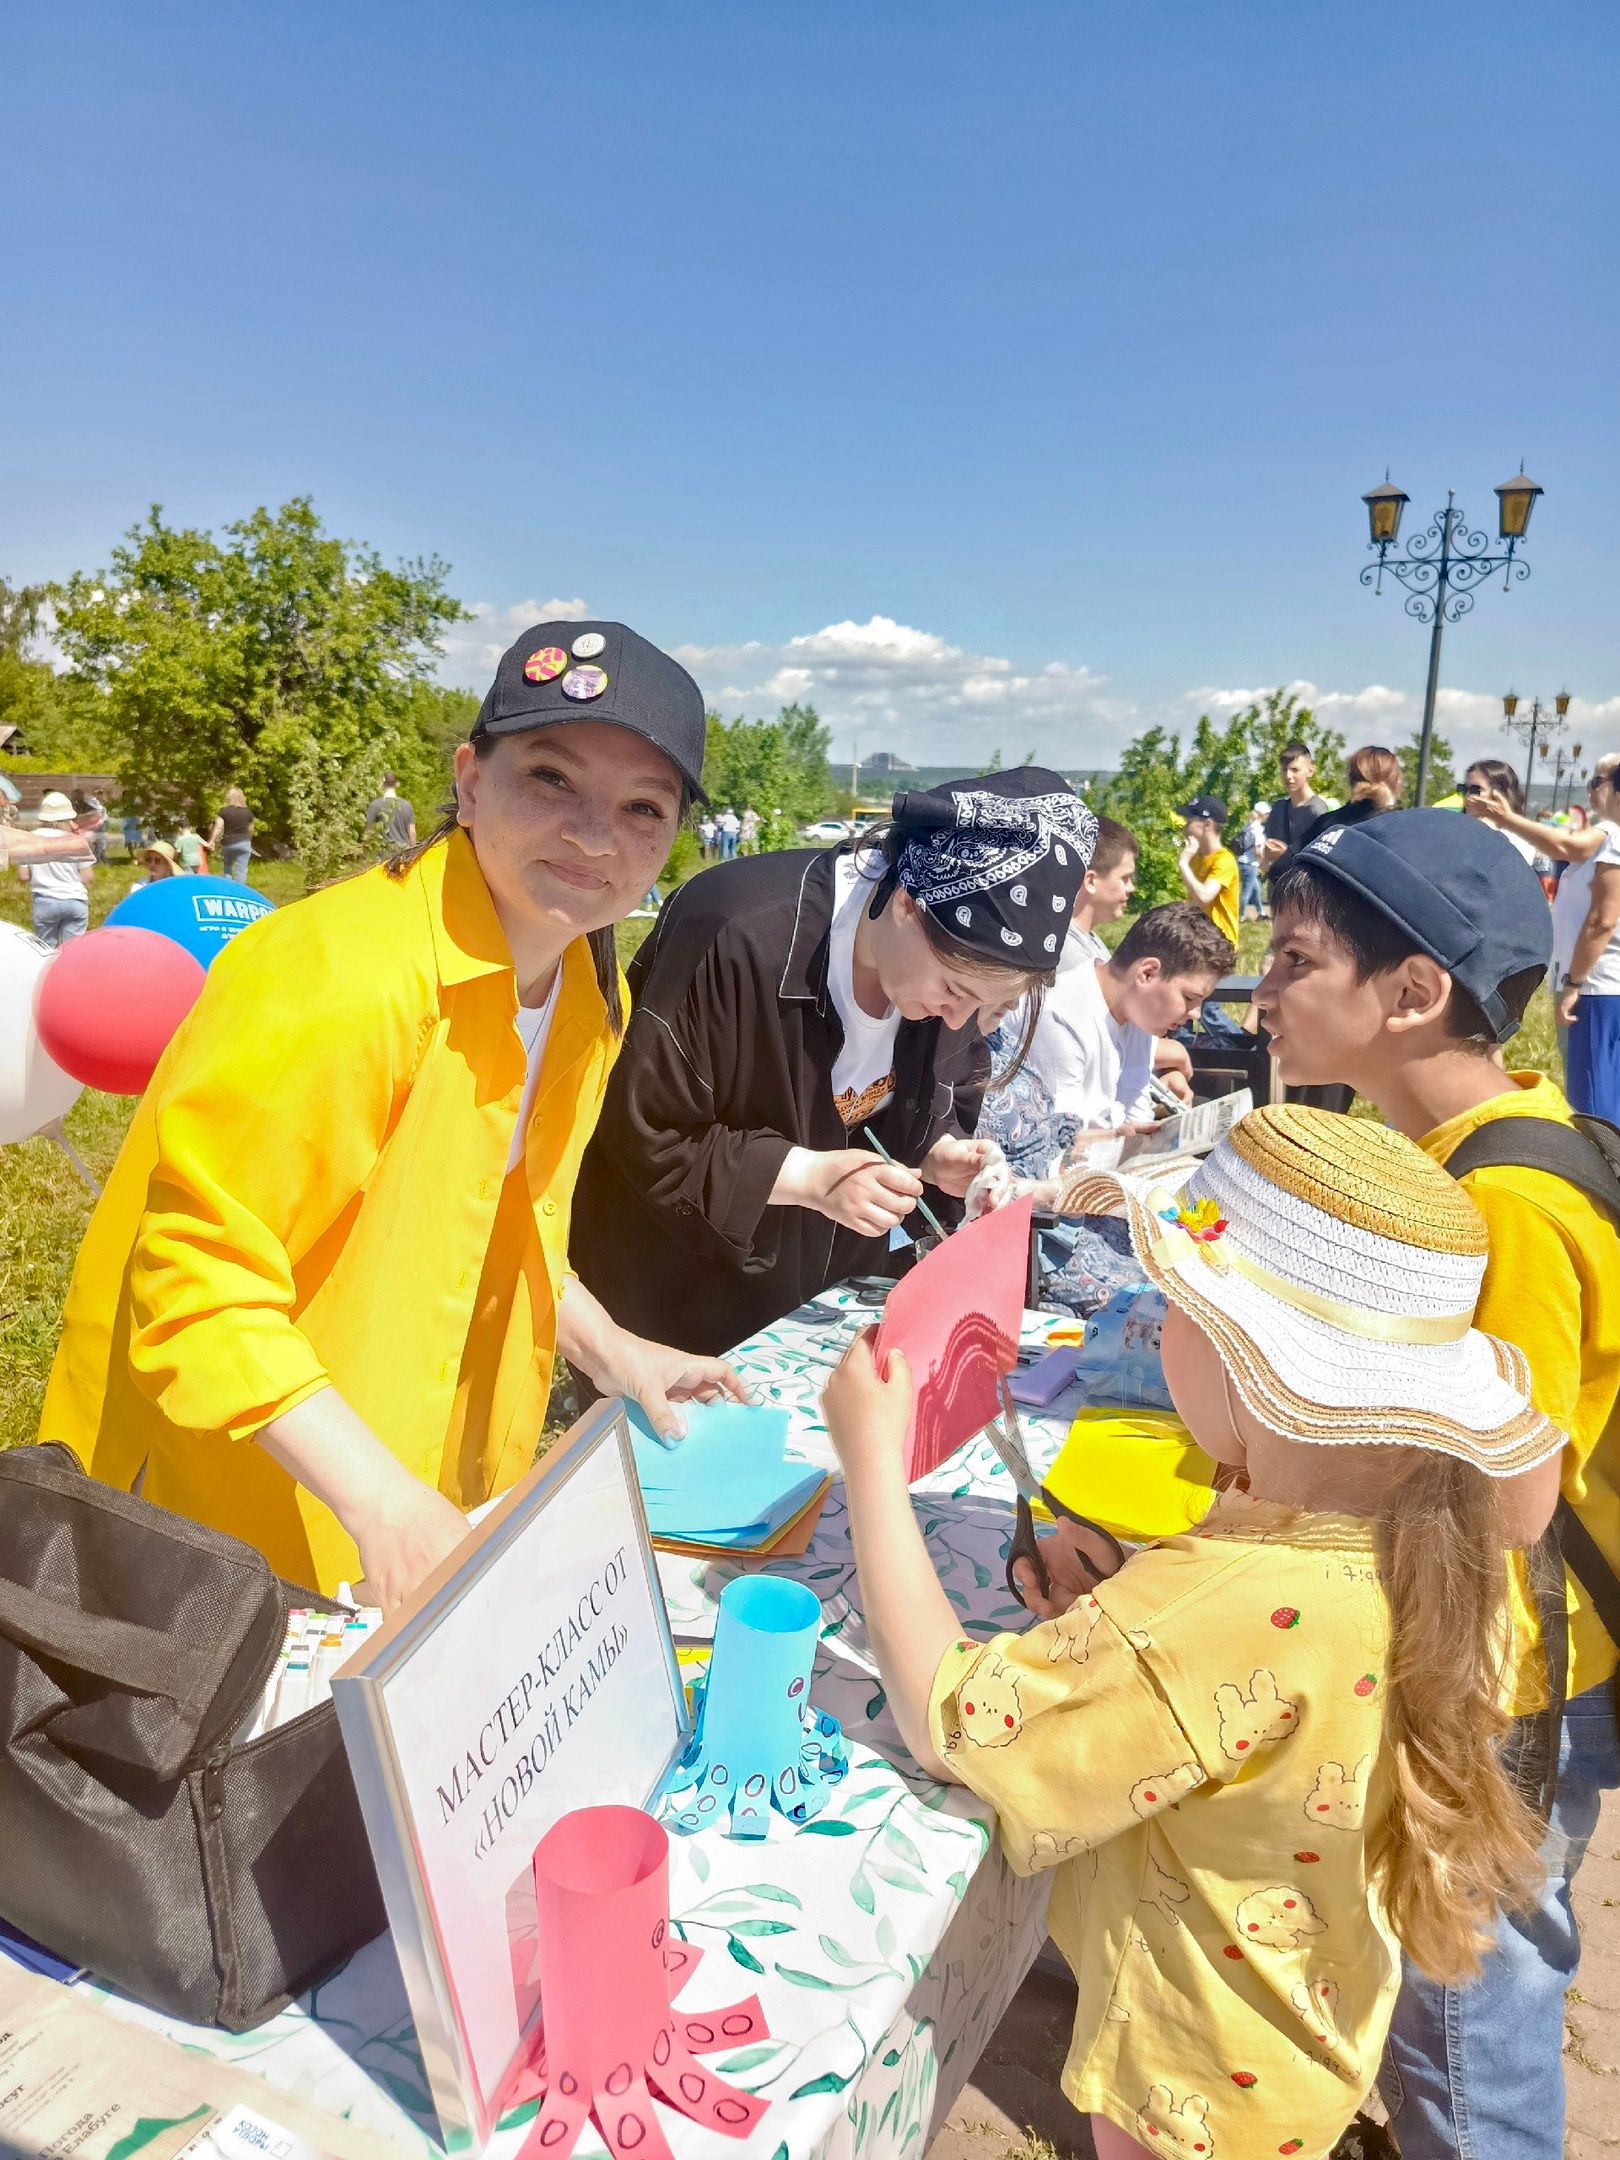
(1262, 1757)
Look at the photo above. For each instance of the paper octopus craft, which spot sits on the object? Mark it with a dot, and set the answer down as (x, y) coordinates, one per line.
(611, 2039)
(758, 1742)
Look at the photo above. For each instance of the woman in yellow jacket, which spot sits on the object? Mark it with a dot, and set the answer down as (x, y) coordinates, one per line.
(317, 1304)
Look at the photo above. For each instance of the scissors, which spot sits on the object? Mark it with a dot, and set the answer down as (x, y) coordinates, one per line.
(1007, 1438)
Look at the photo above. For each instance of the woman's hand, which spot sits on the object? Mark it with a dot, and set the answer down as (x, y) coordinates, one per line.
(1488, 804)
(1564, 1010)
(411, 1530)
(867, 1415)
(655, 1375)
(952, 1163)
(848, 1186)
(402, 1527)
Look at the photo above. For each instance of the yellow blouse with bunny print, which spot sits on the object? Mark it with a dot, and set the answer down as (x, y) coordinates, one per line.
(1198, 1751)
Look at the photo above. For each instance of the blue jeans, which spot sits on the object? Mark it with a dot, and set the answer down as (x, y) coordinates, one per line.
(1476, 2072)
(234, 855)
(1249, 886)
(1592, 1057)
(57, 919)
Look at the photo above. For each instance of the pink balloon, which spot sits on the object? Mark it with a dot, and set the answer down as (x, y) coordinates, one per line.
(108, 1004)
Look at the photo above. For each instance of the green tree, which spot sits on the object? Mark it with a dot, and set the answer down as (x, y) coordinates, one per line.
(1441, 777)
(60, 720)
(1237, 762)
(235, 660)
(775, 767)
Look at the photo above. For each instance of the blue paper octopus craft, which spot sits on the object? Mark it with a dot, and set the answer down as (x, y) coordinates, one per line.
(758, 1742)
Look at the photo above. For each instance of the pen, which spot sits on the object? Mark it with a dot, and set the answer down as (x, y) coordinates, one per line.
(923, 1209)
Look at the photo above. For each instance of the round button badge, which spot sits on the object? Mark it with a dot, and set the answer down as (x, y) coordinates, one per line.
(584, 682)
(546, 664)
(588, 644)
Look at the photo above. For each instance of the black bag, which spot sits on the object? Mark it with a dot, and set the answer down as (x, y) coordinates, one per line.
(1586, 1155)
(209, 1880)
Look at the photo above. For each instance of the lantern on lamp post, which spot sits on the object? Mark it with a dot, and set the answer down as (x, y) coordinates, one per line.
(1439, 568)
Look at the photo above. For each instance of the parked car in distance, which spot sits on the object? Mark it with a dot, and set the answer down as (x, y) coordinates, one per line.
(826, 829)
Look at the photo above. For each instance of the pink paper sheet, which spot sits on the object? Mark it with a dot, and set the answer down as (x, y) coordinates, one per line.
(956, 1317)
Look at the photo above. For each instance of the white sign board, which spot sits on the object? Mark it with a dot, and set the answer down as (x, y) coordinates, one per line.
(533, 1674)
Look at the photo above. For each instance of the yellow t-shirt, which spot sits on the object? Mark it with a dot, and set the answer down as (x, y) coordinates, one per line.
(1552, 1285)
(1198, 1751)
(1223, 909)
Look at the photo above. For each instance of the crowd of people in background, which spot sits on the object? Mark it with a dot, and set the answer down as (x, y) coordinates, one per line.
(725, 835)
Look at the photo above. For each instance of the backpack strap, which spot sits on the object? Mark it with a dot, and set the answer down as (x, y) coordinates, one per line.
(1530, 1753)
(1585, 1156)
(1533, 1143)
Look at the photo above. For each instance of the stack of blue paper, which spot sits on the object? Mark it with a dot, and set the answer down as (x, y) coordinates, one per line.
(726, 1483)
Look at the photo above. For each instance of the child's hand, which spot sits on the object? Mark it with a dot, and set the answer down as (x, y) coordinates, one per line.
(866, 1415)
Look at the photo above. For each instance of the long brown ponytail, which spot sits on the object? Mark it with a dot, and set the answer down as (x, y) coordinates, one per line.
(1457, 1841)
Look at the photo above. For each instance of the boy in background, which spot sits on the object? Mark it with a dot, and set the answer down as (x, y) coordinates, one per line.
(1404, 951)
(1295, 813)
(1209, 871)
(1086, 1071)
(1105, 891)
(1085, 1077)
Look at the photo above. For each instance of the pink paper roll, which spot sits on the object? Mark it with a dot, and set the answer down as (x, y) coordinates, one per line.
(608, 1970)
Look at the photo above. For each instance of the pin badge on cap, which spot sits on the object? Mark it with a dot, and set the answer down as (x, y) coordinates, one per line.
(588, 644)
(582, 683)
(546, 664)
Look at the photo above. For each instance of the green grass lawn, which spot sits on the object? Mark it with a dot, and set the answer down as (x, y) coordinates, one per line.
(44, 1206)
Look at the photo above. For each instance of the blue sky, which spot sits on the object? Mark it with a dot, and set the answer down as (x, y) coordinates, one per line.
(999, 374)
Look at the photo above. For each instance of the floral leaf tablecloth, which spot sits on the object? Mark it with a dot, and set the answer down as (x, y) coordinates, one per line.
(884, 1940)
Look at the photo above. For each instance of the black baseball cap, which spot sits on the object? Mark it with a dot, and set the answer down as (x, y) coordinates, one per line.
(565, 671)
(1461, 892)
(1203, 806)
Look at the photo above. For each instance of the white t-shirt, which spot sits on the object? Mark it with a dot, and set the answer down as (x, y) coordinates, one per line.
(534, 1025)
(1096, 1068)
(57, 879)
(1079, 946)
(863, 1071)
(1571, 904)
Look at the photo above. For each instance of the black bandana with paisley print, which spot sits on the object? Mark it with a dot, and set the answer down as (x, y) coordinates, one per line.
(997, 861)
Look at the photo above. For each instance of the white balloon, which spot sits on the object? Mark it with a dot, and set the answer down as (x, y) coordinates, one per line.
(33, 1087)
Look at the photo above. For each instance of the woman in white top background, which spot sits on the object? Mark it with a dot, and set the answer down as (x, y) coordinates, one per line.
(58, 895)
(1495, 781)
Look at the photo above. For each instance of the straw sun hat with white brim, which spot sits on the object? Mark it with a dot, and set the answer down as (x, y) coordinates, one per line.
(1335, 1268)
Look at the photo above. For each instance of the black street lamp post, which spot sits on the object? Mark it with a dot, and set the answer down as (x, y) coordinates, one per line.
(1538, 721)
(1439, 569)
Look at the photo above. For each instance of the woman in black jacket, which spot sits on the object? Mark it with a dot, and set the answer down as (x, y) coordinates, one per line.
(784, 1004)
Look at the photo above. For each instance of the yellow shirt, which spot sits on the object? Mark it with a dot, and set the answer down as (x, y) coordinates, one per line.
(314, 1193)
(1197, 1749)
(1552, 1285)
(1223, 909)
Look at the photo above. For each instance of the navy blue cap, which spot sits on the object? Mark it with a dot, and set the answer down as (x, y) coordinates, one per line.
(1209, 806)
(560, 672)
(1459, 889)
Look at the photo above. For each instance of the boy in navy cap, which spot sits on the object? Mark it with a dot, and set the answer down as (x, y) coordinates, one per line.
(1404, 952)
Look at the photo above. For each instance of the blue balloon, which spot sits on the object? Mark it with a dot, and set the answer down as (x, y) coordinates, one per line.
(201, 913)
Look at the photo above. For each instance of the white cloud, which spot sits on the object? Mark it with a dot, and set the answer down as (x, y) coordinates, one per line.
(472, 650)
(888, 686)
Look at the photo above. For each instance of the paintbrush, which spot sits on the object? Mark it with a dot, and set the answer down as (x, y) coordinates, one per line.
(923, 1209)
